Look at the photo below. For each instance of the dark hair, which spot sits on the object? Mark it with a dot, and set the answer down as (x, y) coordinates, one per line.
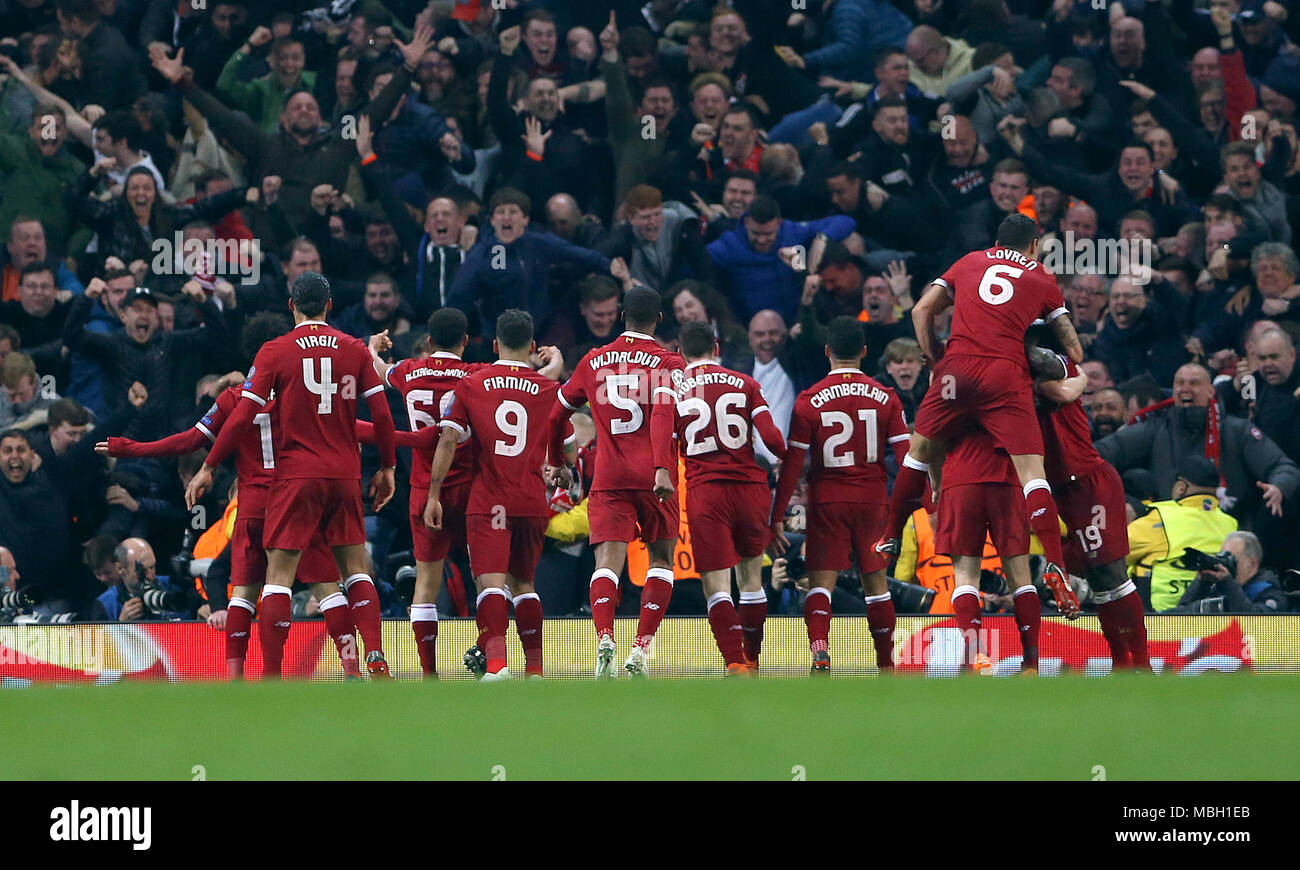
(203, 179)
(637, 42)
(261, 328)
(284, 42)
(537, 15)
(122, 125)
(1224, 203)
(9, 334)
(1236, 149)
(100, 550)
(32, 268)
(510, 196)
(1017, 232)
(1138, 143)
(66, 411)
(764, 209)
(298, 244)
(310, 293)
(696, 339)
(746, 174)
(82, 10)
(844, 337)
(641, 307)
(987, 52)
(884, 54)
(448, 327)
(597, 288)
(755, 117)
(379, 69)
(515, 329)
(893, 101)
(16, 433)
(847, 168)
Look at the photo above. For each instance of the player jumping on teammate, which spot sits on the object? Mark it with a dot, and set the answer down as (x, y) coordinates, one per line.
(983, 377)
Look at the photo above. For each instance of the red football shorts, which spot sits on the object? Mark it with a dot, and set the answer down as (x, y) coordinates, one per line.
(970, 512)
(995, 393)
(616, 514)
(1093, 509)
(838, 531)
(302, 508)
(247, 556)
(510, 547)
(728, 522)
(434, 545)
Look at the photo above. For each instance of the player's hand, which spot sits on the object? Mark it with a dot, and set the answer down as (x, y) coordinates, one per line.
(663, 484)
(382, 486)
(780, 576)
(380, 342)
(433, 513)
(217, 620)
(780, 543)
(131, 611)
(558, 475)
(1272, 497)
(198, 486)
(552, 362)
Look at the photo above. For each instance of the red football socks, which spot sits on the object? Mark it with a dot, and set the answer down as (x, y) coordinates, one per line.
(338, 622)
(603, 591)
(1044, 520)
(493, 615)
(424, 625)
(881, 620)
(966, 607)
(727, 631)
(909, 487)
(528, 624)
(1029, 619)
(273, 622)
(239, 619)
(753, 613)
(655, 596)
(363, 601)
(817, 618)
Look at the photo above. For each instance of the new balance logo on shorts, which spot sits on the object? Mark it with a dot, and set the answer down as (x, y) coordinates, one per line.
(1036, 514)
(362, 603)
(650, 605)
(283, 624)
(602, 600)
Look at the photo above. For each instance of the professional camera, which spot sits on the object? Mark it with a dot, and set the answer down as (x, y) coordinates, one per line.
(158, 600)
(181, 561)
(15, 602)
(910, 597)
(1198, 561)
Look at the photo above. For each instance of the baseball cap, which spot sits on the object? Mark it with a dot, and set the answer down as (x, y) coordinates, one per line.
(1198, 471)
(1251, 10)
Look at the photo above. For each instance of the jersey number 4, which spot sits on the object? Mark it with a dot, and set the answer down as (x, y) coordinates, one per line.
(844, 423)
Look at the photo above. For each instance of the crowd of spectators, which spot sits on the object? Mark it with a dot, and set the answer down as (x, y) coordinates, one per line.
(166, 169)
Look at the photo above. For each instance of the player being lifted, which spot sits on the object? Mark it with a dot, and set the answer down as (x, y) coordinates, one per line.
(505, 407)
(255, 467)
(718, 412)
(631, 385)
(316, 374)
(426, 385)
(981, 499)
(983, 377)
(850, 422)
(1090, 494)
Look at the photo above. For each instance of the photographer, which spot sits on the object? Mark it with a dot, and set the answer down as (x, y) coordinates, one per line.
(135, 591)
(1231, 581)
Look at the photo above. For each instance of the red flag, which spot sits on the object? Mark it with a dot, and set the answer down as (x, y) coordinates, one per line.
(466, 10)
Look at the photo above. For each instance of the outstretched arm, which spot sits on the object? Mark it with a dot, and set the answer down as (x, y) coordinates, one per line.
(935, 300)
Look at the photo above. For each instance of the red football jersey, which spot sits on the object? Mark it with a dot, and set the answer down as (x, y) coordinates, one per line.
(1067, 438)
(976, 458)
(255, 455)
(317, 375)
(996, 295)
(849, 422)
(506, 407)
(426, 386)
(715, 412)
(622, 381)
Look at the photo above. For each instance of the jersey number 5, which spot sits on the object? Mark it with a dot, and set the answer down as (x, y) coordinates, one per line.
(995, 286)
(626, 403)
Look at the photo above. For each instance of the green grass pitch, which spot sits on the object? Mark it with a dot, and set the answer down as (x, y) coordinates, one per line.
(1122, 727)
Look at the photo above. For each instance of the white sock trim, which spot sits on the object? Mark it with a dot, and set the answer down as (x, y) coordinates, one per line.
(759, 597)
(424, 613)
(243, 603)
(526, 596)
(873, 599)
(1023, 589)
(817, 590)
(664, 574)
(491, 590)
(718, 598)
(604, 572)
(1036, 483)
(965, 590)
(915, 464)
(357, 578)
(276, 590)
(337, 599)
